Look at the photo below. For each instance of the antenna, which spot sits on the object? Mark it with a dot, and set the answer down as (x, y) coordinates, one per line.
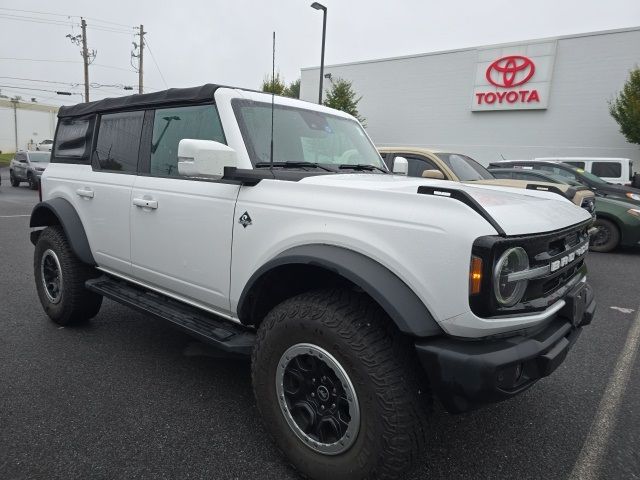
(502, 156)
(273, 95)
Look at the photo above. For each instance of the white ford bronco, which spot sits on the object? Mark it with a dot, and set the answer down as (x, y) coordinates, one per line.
(271, 228)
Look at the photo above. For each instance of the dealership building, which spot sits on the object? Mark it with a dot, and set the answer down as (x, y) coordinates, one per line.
(536, 98)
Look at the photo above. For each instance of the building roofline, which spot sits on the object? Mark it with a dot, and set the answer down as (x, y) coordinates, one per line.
(479, 47)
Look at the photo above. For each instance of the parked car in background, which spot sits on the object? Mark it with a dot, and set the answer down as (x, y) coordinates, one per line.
(28, 167)
(45, 146)
(617, 221)
(612, 170)
(429, 163)
(595, 183)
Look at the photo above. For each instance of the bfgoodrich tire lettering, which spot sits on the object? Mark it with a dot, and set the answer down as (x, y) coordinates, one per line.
(60, 278)
(393, 400)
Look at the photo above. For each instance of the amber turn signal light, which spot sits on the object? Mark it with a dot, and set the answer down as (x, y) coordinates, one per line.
(475, 275)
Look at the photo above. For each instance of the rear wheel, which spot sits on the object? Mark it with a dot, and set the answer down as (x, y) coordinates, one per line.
(60, 278)
(13, 180)
(339, 387)
(606, 238)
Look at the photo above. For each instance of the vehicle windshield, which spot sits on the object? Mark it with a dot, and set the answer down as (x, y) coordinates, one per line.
(300, 135)
(465, 168)
(561, 179)
(46, 142)
(39, 157)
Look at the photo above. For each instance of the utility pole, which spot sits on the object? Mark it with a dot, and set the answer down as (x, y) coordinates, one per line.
(140, 58)
(14, 101)
(85, 58)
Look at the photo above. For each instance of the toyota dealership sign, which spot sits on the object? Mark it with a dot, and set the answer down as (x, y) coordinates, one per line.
(514, 78)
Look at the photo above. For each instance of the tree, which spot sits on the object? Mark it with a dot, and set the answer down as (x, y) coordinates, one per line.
(293, 90)
(625, 108)
(273, 84)
(342, 96)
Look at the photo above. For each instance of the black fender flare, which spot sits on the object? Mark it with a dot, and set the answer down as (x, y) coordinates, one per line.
(395, 297)
(60, 211)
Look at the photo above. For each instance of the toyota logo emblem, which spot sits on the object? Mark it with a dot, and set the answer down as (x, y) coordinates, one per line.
(510, 71)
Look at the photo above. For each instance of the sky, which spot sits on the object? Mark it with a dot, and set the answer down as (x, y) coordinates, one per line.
(192, 42)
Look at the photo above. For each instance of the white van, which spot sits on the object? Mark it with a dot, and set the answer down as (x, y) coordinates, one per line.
(612, 170)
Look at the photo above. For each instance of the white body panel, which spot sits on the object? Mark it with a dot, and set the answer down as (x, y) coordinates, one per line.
(184, 245)
(102, 200)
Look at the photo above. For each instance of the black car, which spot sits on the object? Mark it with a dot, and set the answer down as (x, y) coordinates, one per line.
(574, 174)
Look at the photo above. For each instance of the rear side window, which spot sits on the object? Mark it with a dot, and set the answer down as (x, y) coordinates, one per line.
(607, 169)
(118, 142)
(73, 140)
(170, 125)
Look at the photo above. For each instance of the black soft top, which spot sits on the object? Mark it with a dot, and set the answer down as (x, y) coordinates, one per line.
(172, 96)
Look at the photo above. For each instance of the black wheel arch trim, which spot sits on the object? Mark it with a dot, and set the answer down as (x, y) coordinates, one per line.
(43, 216)
(395, 297)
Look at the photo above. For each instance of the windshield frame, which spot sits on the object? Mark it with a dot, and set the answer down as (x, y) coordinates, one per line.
(238, 103)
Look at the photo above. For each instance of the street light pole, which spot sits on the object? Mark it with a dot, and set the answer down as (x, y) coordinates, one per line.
(319, 6)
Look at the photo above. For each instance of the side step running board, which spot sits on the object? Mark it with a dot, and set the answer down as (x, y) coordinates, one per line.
(222, 333)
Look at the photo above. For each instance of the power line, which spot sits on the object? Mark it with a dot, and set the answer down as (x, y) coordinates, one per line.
(35, 20)
(146, 42)
(94, 19)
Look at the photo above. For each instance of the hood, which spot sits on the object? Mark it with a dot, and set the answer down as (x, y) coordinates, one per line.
(516, 212)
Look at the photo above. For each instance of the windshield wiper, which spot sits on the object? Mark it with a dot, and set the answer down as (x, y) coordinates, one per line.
(293, 165)
(361, 166)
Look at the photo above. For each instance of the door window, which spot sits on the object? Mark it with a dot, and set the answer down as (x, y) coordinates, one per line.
(118, 142)
(607, 169)
(417, 165)
(171, 125)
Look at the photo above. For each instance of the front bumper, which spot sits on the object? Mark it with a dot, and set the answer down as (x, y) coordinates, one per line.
(466, 374)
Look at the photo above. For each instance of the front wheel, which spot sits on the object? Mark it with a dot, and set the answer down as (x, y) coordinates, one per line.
(13, 180)
(606, 238)
(339, 387)
(33, 182)
(60, 277)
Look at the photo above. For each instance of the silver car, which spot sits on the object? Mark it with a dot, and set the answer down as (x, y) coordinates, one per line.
(28, 167)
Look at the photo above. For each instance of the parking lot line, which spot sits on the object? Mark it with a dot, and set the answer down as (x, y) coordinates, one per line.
(14, 216)
(590, 458)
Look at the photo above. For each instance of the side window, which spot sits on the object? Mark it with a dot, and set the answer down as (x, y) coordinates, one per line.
(576, 164)
(607, 169)
(118, 141)
(417, 165)
(522, 176)
(73, 139)
(171, 125)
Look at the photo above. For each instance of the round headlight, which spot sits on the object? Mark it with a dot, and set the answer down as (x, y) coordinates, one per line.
(633, 196)
(507, 292)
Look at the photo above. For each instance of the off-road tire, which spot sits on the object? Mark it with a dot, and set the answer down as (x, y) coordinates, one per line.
(611, 231)
(381, 363)
(13, 180)
(76, 304)
(33, 183)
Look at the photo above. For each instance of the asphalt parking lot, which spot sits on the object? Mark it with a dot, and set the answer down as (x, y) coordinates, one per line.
(130, 397)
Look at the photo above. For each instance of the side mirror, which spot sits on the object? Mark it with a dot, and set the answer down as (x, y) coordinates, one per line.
(437, 174)
(204, 158)
(400, 166)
